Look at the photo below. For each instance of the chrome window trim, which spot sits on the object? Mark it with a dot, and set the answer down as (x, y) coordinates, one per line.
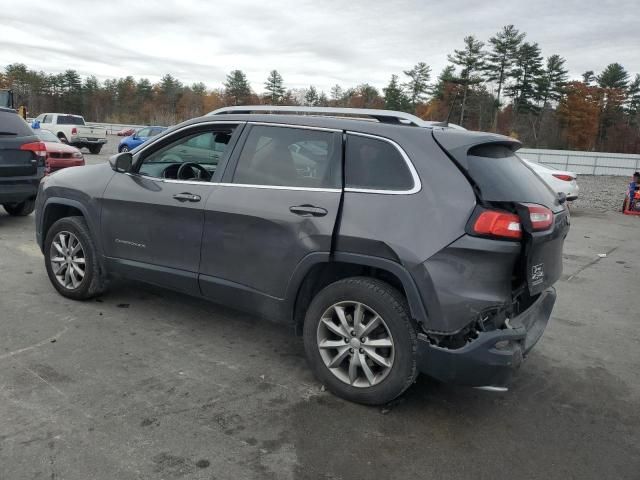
(241, 185)
(192, 125)
(417, 184)
(289, 125)
(280, 187)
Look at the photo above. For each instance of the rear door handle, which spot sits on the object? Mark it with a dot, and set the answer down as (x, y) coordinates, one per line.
(308, 211)
(186, 197)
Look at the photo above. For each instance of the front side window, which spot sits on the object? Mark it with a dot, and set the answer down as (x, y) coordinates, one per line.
(194, 156)
(143, 132)
(292, 157)
(375, 164)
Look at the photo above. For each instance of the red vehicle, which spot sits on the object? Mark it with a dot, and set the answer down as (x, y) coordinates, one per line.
(631, 205)
(125, 132)
(59, 155)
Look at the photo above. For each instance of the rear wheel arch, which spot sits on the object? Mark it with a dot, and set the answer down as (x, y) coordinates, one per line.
(62, 137)
(311, 278)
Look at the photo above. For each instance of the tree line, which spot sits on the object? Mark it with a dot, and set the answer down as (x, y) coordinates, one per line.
(503, 85)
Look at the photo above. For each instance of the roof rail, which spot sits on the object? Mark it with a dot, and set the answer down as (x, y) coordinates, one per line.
(382, 116)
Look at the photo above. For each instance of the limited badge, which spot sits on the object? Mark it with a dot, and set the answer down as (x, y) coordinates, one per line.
(537, 274)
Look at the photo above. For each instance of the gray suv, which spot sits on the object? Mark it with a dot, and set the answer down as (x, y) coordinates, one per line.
(393, 245)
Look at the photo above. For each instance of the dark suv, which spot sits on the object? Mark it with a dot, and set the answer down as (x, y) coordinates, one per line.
(22, 163)
(395, 246)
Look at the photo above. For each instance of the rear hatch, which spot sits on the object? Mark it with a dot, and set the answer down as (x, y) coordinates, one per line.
(15, 160)
(503, 182)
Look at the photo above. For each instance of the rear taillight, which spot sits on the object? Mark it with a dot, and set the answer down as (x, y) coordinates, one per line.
(541, 217)
(495, 223)
(74, 131)
(562, 176)
(38, 148)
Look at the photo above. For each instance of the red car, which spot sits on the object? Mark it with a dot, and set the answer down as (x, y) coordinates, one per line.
(59, 155)
(125, 132)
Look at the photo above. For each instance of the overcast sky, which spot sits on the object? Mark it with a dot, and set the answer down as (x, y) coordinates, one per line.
(319, 42)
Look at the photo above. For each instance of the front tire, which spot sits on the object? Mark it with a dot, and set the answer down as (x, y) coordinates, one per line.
(71, 259)
(21, 209)
(123, 149)
(360, 341)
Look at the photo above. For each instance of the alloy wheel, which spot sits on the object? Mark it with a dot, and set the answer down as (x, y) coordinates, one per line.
(68, 261)
(355, 344)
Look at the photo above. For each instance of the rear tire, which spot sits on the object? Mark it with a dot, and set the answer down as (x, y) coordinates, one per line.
(62, 138)
(95, 149)
(21, 209)
(333, 346)
(86, 278)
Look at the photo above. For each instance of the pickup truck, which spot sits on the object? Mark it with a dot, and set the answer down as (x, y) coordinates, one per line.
(71, 129)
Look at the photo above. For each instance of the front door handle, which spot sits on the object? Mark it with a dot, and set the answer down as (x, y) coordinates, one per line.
(308, 211)
(186, 197)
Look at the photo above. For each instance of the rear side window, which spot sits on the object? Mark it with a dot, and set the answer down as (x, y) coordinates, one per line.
(375, 164)
(70, 120)
(503, 177)
(292, 157)
(13, 125)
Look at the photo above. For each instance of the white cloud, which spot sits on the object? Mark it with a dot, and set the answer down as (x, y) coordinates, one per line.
(309, 42)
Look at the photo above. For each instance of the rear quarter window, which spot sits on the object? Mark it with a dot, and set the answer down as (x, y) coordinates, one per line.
(13, 125)
(503, 177)
(375, 164)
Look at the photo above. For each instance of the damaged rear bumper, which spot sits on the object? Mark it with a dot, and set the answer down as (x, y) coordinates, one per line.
(491, 359)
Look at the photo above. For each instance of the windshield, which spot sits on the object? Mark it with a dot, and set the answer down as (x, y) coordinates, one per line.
(47, 136)
(70, 120)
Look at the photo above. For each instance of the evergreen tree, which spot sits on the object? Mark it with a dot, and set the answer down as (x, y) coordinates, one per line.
(447, 76)
(588, 77)
(418, 85)
(394, 97)
(471, 60)
(500, 59)
(614, 76)
(275, 88)
(336, 92)
(323, 100)
(237, 88)
(311, 97)
(528, 68)
(633, 100)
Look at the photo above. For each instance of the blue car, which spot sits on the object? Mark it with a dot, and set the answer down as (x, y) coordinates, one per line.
(138, 138)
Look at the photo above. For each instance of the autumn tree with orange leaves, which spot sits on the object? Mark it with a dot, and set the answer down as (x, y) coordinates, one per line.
(579, 112)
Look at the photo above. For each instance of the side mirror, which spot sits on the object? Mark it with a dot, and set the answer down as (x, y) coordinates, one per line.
(121, 162)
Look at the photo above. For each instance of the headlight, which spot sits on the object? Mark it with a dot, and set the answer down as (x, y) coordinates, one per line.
(77, 155)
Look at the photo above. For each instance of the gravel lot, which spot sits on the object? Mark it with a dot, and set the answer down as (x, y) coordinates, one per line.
(604, 193)
(143, 383)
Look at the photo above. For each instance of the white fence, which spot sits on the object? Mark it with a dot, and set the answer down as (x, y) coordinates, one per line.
(584, 163)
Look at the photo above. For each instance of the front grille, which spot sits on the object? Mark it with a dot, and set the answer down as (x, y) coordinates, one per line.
(59, 155)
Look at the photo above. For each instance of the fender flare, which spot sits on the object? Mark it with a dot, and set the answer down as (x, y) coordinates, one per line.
(93, 229)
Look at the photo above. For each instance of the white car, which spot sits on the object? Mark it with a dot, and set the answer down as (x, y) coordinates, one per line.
(559, 180)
